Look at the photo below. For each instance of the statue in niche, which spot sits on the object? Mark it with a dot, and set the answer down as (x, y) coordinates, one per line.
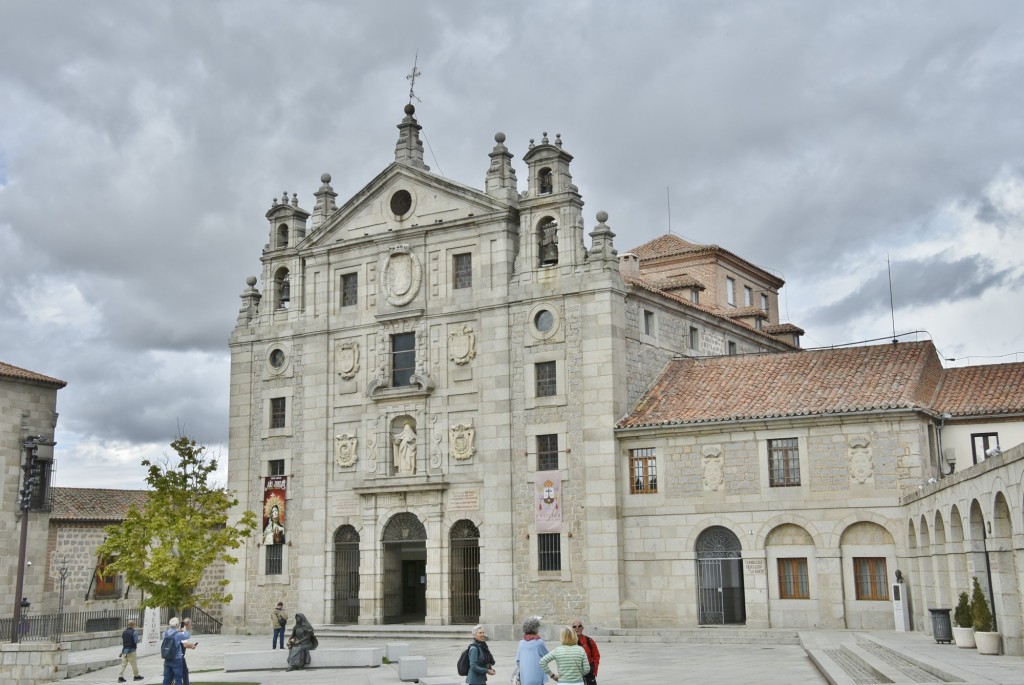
(405, 450)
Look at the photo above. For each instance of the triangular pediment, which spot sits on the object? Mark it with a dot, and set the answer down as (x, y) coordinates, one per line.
(403, 197)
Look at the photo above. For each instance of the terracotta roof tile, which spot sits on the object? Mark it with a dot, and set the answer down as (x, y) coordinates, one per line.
(986, 389)
(662, 246)
(10, 371)
(94, 504)
(710, 389)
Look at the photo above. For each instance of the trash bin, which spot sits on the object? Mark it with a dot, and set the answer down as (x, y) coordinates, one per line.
(942, 628)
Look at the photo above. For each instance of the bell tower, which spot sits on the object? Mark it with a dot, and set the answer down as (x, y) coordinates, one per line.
(551, 222)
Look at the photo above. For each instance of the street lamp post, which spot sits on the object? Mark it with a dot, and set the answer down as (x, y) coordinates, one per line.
(29, 482)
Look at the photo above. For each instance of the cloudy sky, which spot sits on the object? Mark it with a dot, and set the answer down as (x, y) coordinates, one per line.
(141, 144)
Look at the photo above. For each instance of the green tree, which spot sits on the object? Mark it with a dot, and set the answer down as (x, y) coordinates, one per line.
(183, 528)
(962, 616)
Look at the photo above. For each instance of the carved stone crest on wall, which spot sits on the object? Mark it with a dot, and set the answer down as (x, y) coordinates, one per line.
(346, 358)
(714, 469)
(401, 276)
(462, 441)
(462, 345)
(345, 450)
(862, 465)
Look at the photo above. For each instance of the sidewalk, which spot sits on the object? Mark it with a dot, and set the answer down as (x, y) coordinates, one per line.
(622, 663)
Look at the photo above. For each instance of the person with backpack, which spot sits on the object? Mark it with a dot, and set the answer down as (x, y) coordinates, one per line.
(173, 653)
(593, 653)
(129, 644)
(481, 663)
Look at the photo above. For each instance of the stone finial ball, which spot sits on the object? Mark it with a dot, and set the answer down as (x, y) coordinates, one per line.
(499, 137)
(409, 109)
(251, 281)
(602, 216)
(325, 178)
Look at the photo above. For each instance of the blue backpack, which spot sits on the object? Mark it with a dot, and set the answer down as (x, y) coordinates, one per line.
(168, 648)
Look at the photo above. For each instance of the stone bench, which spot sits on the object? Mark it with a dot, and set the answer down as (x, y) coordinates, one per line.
(396, 650)
(274, 659)
(412, 668)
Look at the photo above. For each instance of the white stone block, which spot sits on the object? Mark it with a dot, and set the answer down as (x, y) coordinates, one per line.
(412, 668)
(396, 650)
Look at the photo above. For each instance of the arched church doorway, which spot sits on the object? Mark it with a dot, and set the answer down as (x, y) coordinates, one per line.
(405, 570)
(465, 572)
(346, 575)
(720, 596)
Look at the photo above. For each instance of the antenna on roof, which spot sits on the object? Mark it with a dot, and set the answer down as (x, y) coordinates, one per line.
(668, 201)
(892, 309)
(411, 77)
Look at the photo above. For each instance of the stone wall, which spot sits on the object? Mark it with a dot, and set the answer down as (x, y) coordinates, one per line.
(29, 663)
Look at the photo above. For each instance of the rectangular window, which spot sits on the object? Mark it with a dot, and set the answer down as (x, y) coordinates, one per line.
(349, 290)
(547, 385)
(403, 359)
(278, 411)
(764, 302)
(549, 552)
(648, 322)
(694, 296)
(748, 297)
(783, 463)
(871, 579)
(730, 347)
(793, 579)
(547, 452)
(275, 560)
(694, 338)
(275, 467)
(643, 471)
(462, 270)
(730, 291)
(981, 443)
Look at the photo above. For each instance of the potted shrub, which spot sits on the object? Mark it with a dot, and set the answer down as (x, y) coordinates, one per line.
(986, 639)
(963, 623)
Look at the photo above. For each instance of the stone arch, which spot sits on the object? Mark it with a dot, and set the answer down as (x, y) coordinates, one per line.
(868, 558)
(911, 534)
(759, 540)
(464, 571)
(282, 288)
(404, 558)
(720, 592)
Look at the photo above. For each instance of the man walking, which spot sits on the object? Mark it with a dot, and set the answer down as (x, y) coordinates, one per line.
(129, 643)
(279, 619)
(593, 653)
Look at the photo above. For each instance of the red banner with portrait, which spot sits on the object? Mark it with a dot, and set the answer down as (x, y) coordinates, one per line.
(275, 491)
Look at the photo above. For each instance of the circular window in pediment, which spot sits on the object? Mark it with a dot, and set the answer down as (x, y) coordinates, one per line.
(401, 202)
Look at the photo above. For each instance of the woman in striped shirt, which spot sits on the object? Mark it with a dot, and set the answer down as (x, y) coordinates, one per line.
(570, 658)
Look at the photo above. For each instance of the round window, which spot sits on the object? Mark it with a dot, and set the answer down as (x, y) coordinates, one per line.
(277, 358)
(401, 203)
(544, 321)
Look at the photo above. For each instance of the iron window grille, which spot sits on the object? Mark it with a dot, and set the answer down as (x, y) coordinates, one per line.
(547, 452)
(462, 266)
(549, 552)
(547, 384)
(278, 410)
(349, 290)
(275, 560)
(783, 463)
(643, 469)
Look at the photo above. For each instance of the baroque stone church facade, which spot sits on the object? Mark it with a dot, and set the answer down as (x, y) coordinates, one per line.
(451, 407)
(424, 394)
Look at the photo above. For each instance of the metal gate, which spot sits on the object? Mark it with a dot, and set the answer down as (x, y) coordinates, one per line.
(346, 575)
(465, 572)
(720, 592)
(405, 554)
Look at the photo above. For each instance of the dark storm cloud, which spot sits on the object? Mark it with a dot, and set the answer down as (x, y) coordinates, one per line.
(917, 283)
(142, 143)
